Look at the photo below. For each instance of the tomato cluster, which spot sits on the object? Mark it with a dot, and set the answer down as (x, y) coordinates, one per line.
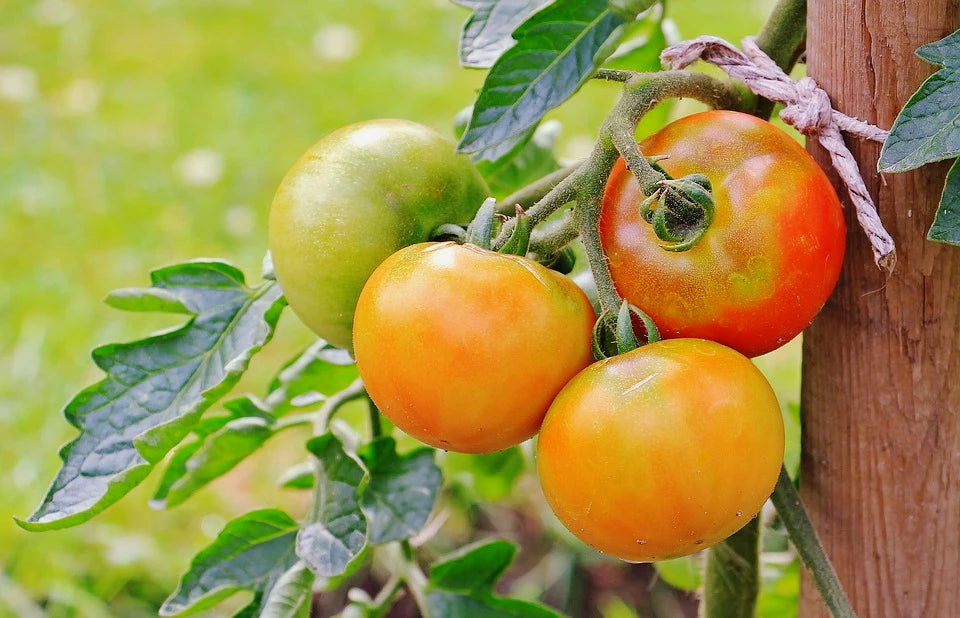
(647, 455)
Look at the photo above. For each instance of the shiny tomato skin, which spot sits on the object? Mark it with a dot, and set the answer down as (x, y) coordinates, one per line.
(352, 199)
(765, 266)
(662, 451)
(464, 348)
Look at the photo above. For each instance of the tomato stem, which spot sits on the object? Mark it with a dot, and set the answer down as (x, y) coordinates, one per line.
(783, 37)
(535, 191)
(732, 578)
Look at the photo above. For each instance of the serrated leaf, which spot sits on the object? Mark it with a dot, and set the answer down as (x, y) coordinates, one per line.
(461, 585)
(253, 552)
(487, 32)
(177, 466)
(557, 50)
(946, 224)
(927, 129)
(339, 534)
(219, 454)
(400, 494)
(304, 381)
(157, 388)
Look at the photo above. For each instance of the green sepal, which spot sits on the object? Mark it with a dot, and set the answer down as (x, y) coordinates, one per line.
(626, 338)
(519, 240)
(562, 261)
(684, 212)
(480, 230)
(448, 231)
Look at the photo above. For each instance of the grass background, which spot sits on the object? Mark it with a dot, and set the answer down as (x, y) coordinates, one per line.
(142, 133)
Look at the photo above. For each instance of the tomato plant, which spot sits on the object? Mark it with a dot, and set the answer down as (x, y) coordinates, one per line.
(663, 451)
(768, 261)
(352, 199)
(464, 348)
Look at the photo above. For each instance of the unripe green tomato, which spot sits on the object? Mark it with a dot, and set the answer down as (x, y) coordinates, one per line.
(464, 348)
(352, 199)
(662, 451)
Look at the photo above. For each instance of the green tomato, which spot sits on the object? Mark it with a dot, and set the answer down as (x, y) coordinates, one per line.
(354, 198)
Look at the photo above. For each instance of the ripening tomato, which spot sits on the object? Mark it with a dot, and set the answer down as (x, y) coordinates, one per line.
(770, 258)
(465, 348)
(662, 451)
(352, 199)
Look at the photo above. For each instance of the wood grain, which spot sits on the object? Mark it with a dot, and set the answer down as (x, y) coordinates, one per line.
(880, 469)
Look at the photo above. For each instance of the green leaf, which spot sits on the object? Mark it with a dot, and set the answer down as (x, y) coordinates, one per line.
(254, 552)
(685, 573)
(218, 455)
(339, 533)
(157, 388)
(490, 476)
(487, 32)
(928, 127)
(290, 596)
(645, 39)
(946, 225)
(461, 585)
(557, 50)
(304, 381)
(299, 476)
(401, 492)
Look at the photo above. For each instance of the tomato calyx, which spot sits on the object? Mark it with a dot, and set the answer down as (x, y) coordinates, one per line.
(680, 210)
(519, 240)
(613, 338)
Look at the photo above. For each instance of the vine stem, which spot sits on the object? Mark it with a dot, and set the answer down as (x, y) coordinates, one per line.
(804, 537)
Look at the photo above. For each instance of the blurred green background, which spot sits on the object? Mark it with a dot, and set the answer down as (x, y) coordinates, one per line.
(142, 133)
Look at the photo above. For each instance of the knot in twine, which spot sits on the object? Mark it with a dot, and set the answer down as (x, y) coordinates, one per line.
(808, 109)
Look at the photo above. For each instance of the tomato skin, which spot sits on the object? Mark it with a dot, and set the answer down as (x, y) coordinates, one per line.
(352, 199)
(765, 266)
(662, 451)
(464, 348)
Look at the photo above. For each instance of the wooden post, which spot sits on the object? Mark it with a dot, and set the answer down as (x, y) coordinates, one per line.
(880, 470)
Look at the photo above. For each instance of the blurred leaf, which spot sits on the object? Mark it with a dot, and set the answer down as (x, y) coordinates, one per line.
(927, 129)
(791, 425)
(461, 585)
(490, 476)
(400, 494)
(557, 50)
(946, 224)
(320, 370)
(685, 573)
(253, 552)
(219, 453)
(299, 476)
(645, 39)
(780, 591)
(487, 32)
(339, 534)
(157, 388)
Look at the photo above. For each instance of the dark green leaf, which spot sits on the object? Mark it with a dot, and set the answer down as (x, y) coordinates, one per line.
(557, 50)
(461, 585)
(254, 552)
(339, 533)
(490, 476)
(487, 32)
(305, 381)
(946, 225)
(290, 596)
(220, 453)
(928, 127)
(157, 388)
(401, 491)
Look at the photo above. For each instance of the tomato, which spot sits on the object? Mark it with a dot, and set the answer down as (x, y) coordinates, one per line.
(662, 451)
(352, 199)
(465, 348)
(770, 258)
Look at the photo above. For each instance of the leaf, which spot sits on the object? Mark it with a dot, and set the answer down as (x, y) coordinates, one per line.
(306, 380)
(927, 129)
(461, 585)
(490, 476)
(290, 596)
(487, 32)
(299, 476)
(645, 39)
(219, 453)
(946, 224)
(684, 573)
(339, 533)
(254, 552)
(157, 388)
(401, 492)
(557, 50)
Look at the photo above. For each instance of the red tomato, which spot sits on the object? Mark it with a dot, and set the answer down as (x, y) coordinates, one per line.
(765, 266)
(662, 451)
(464, 348)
